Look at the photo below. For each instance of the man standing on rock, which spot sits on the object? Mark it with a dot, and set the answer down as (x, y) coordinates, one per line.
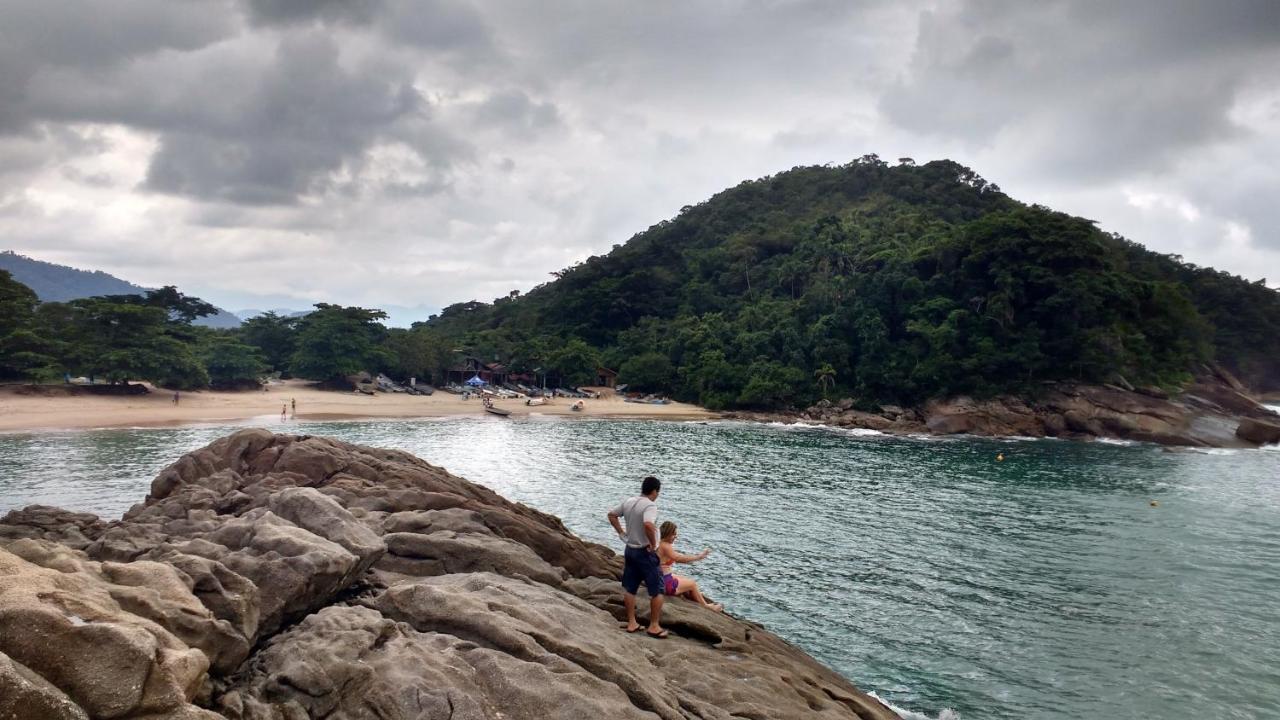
(641, 556)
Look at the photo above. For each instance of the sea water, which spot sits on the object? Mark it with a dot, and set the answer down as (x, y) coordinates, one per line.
(947, 582)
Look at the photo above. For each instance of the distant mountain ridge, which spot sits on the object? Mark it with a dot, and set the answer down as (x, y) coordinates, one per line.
(247, 313)
(59, 283)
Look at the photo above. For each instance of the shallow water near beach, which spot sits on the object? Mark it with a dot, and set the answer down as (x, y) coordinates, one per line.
(926, 571)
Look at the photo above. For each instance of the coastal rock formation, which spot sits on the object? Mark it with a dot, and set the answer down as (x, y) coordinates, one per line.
(1259, 431)
(1215, 411)
(279, 577)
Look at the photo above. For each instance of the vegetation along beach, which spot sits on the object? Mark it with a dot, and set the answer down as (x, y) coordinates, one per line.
(448, 360)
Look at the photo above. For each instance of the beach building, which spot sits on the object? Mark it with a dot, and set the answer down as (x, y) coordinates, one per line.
(606, 377)
(494, 372)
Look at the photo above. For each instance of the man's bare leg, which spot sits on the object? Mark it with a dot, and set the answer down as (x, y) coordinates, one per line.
(655, 613)
(629, 601)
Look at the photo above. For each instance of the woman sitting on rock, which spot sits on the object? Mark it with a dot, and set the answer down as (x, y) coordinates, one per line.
(668, 557)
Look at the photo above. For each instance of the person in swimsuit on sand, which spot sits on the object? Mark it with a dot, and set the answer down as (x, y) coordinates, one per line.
(668, 557)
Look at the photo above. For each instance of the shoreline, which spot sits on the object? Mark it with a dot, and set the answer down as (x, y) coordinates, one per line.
(1211, 413)
(54, 408)
(1115, 415)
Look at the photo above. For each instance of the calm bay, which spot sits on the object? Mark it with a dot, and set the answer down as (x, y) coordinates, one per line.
(1046, 585)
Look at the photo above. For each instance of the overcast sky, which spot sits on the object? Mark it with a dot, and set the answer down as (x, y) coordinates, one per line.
(275, 153)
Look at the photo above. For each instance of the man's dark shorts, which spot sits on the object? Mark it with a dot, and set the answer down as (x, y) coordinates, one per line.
(641, 566)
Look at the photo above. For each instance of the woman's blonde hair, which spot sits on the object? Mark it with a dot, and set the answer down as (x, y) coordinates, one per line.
(667, 529)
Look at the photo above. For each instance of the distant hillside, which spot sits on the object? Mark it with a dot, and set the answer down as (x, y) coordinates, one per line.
(885, 283)
(59, 283)
(282, 312)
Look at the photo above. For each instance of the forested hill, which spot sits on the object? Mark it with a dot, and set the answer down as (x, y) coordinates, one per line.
(59, 283)
(885, 283)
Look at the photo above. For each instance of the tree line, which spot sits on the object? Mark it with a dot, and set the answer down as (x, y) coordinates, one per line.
(150, 337)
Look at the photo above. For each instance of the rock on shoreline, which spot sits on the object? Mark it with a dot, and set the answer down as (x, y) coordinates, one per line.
(1213, 412)
(282, 577)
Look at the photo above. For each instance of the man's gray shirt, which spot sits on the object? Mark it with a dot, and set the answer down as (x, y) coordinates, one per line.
(636, 511)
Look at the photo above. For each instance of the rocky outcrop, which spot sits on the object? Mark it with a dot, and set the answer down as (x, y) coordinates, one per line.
(271, 576)
(1259, 431)
(1215, 411)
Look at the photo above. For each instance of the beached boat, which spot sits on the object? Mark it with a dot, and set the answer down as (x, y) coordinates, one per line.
(496, 410)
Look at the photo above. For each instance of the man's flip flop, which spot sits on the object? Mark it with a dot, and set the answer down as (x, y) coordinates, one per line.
(657, 636)
(635, 629)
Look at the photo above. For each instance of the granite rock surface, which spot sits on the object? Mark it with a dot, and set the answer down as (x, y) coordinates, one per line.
(284, 577)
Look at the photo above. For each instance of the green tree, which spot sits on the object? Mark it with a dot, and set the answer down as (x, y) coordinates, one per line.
(770, 385)
(576, 363)
(231, 363)
(417, 353)
(651, 372)
(126, 340)
(335, 342)
(711, 380)
(826, 376)
(275, 337)
(24, 352)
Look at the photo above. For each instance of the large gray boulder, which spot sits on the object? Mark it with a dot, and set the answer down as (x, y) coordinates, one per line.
(280, 577)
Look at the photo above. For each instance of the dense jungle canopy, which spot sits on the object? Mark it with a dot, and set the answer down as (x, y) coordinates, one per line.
(885, 283)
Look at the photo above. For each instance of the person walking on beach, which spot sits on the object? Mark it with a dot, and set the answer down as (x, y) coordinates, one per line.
(294, 403)
(641, 556)
(283, 408)
(175, 397)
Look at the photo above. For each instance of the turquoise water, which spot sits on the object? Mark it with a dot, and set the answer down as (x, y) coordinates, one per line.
(1043, 586)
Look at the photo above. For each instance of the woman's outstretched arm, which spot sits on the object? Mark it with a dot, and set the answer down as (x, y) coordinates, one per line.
(682, 558)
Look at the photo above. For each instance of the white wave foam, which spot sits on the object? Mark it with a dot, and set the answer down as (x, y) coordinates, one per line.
(862, 432)
(945, 714)
(795, 425)
(799, 425)
(1115, 441)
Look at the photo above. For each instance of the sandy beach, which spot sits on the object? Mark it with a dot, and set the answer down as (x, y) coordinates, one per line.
(53, 409)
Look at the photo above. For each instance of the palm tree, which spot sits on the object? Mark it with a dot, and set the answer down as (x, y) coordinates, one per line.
(826, 376)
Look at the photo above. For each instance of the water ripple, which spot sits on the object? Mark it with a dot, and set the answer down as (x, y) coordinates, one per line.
(953, 585)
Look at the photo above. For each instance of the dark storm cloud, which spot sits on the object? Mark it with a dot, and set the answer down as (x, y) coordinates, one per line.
(95, 35)
(514, 111)
(99, 32)
(1098, 89)
(437, 25)
(263, 122)
(262, 118)
(301, 119)
(289, 12)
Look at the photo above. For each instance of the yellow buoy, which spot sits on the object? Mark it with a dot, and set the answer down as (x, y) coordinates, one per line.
(1000, 457)
(1155, 503)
